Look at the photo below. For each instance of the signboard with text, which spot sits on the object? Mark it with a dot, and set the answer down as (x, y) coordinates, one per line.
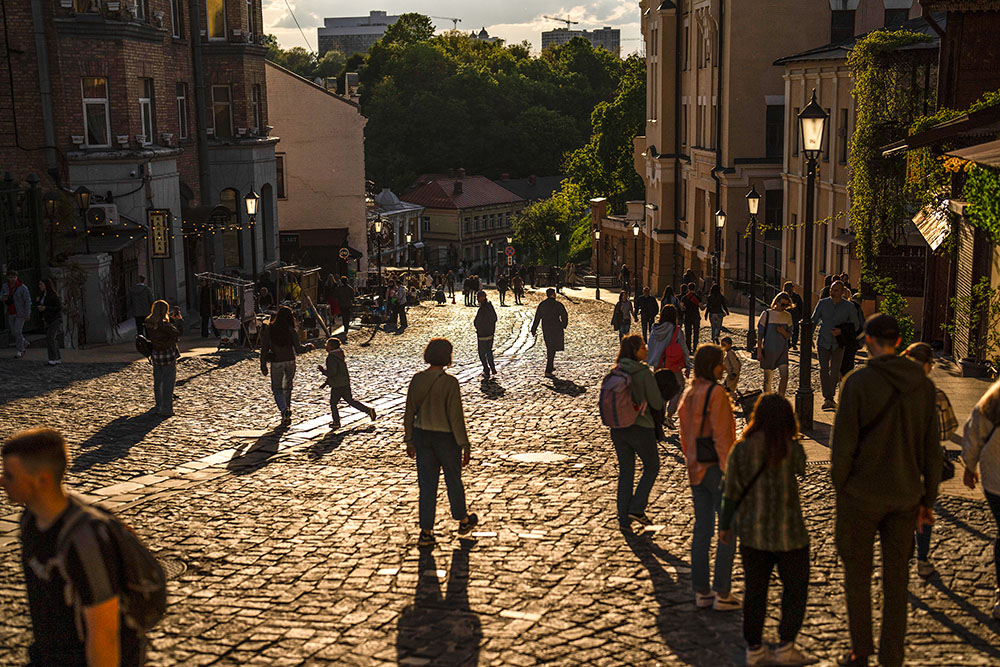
(158, 220)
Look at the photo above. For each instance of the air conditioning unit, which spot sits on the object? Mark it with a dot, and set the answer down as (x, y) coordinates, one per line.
(103, 215)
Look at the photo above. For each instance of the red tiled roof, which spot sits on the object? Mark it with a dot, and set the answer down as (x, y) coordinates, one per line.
(476, 191)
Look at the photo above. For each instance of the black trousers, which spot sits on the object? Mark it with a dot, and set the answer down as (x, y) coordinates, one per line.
(140, 329)
(647, 325)
(691, 330)
(793, 570)
(550, 360)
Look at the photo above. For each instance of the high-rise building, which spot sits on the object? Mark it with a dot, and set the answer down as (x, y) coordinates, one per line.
(353, 34)
(609, 38)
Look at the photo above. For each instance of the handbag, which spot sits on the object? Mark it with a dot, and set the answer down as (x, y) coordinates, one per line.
(760, 343)
(705, 445)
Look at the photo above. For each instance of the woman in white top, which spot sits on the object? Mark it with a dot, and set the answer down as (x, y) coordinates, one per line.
(774, 330)
(622, 318)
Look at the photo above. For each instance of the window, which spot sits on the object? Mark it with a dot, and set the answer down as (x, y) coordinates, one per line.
(896, 17)
(774, 215)
(684, 198)
(795, 142)
(139, 8)
(820, 251)
(475, 224)
(467, 225)
(216, 10)
(774, 131)
(84, 6)
(96, 117)
(232, 249)
(654, 91)
(826, 139)
(176, 19)
(844, 137)
(793, 237)
(222, 111)
(841, 25)
(425, 224)
(182, 111)
(255, 104)
(251, 23)
(279, 175)
(146, 111)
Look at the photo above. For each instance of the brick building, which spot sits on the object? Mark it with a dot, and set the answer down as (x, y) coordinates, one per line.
(151, 108)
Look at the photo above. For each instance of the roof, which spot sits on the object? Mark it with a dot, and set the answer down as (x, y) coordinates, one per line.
(476, 191)
(984, 123)
(542, 188)
(962, 5)
(306, 81)
(840, 50)
(987, 154)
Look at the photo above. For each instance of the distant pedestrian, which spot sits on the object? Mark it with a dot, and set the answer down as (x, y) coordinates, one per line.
(828, 286)
(518, 288)
(774, 330)
(279, 345)
(486, 324)
(624, 313)
(265, 303)
(761, 507)
(625, 277)
(205, 305)
(554, 319)
(50, 306)
(72, 562)
(402, 301)
(692, 305)
(638, 438)
(139, 300)
(732, 363)
(669, 299)
(434, 432)
(648, 309)
(668, 350)
(981, 449)
(833, 312)
(795, 310)
(451, 283)
(708, 431)
(947, 424)
(716, 308)
(15, 295)
(339, 381)
(885, 462)
(570, 273)
(853, 338)
(502, 286)
(345, 302)
(163, 329)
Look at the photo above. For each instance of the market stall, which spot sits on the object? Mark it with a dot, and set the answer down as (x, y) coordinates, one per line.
(232, 309)
(298, 288)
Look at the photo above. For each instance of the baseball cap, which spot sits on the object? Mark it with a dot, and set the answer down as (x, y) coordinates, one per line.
(882, 327)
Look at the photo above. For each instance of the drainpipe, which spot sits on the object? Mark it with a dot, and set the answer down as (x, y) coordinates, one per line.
(44, 88)
(678, 45)
(718, 119)
(200, 100)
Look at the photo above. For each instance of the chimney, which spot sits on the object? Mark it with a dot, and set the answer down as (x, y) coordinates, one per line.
(458, 187)
(532, 179)
(461, 172)
(451, 173)
(504, 176)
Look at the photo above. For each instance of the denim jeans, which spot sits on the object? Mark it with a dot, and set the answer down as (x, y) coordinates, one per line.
(675, 401)
(338, 393)
(437, 451)
(715, 320)
(923, 542)
(486, 355)
(52, 332)
(629, 443)
(829, 370)
(994, 503)
(793, 570)
(164, 377)
(624, 328)
(16, 328)
(282, 373)
(707, 497)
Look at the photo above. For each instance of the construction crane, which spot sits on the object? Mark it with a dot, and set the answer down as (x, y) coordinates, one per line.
(454, 21)
(566, 20)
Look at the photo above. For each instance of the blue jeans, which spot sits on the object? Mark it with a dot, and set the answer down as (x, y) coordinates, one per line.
(282, 373)
(164, 377)
(629, 443)
(437, 451)
(715, 320)
(486, 355)
(707, 497)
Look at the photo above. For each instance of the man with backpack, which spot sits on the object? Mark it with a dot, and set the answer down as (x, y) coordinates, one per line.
(93, 589)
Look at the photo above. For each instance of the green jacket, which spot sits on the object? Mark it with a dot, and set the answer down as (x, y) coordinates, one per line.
(644, 388)
(434, 403)
(896, 462)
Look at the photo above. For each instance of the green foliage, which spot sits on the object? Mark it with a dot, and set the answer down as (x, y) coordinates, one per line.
(979, 314)
(893, 303)
(409, 28)
(886, 103)
(303, 62)
(536, 226)
(982, 192)
(330, 65)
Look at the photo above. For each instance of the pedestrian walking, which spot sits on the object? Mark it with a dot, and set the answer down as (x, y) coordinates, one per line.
(708, 431)
(668, 298)
(648, 308)
(947, 423)
(205, 306)
(774, 331)
(624, 278)
(732, 363)
(339, 381)
(402, 300)
(518, 287)
(668, 350)
(345, 302)
(50, 306)
(434, 432)
(570, 273)
(554, 319)
(795, 310)
(716, 308)
(278, 347)
(828, 286)
(74, 571)
(502, 286)
(981, 450)
(164, 328)
(761, 507)
(486, 324)
(622, 316)
(139, 301)
(853, 337)
(15, 295)
(451, 283)
(632, 377)
(692, 306)
(885, 462)
(832, 313)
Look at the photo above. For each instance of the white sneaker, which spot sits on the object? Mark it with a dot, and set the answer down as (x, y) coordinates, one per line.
(925, 568)
(19, 355)
(727, 602)
(789, 654)
(704, 600)
(52, 362)
(758, 656)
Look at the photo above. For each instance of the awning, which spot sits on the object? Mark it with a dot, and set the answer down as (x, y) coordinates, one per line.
(843, 239)
(933, 224)
(982, 123)
(987, 154)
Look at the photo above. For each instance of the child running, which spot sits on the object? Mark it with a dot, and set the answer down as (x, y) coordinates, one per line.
(339, 381)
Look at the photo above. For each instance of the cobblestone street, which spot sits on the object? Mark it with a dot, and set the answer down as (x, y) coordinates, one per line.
(298, 546)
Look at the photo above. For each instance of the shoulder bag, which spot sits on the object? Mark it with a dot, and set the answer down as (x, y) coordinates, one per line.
(760, 343)
(705, 445)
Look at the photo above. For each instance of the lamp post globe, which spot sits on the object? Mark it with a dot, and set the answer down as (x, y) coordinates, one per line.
(558, 236)
(597, 270)
(753, 205)
(252, 201)
(635, 257)
(720, 222)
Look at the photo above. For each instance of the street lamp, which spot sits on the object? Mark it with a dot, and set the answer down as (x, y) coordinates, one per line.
(489, 262)
(409, 238)
(378, 224)
(83, 203)
(635, 257)
(50, 213)
(753, 205)
(558, 236)
(252, 201)
(510, 243)
(812, 126)
(720, 222)
(597, 239)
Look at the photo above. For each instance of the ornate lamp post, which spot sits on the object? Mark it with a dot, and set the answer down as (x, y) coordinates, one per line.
(489, 261)
(720, 222)
(510, 242)
(83, 203)
(558, 236)
(812, 126)
(635, 257)
(753, 205)
(597, 239)
(378, 233)
(252, 201)
(409, 238)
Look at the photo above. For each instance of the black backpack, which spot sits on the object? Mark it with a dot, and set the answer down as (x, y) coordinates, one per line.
(143, 346)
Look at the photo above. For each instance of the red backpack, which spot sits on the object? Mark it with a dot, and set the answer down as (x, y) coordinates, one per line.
(673, 354)
(618, 410)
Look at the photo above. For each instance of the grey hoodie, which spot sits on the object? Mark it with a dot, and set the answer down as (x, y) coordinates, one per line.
(659, 338)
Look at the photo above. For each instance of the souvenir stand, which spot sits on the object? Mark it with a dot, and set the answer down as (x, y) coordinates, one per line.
(232, 309)
(312, 317)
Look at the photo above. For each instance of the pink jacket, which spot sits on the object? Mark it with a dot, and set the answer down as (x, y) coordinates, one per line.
(721, 425)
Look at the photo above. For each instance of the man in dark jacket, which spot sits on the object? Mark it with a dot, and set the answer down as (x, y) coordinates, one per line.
(140, 301)
(204, 306)
(886, 466)
(486, 325)
(502, 286)
(691, 304)
(554, 320)
(648, 308)
(345, 301)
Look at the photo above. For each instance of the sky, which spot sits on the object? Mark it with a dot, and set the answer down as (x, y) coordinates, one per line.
(514, 22)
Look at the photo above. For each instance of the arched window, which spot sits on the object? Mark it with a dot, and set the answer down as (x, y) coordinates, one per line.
(232, 249)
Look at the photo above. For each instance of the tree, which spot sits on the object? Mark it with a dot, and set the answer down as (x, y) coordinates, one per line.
(409, 28)
(330, 65)
(536, 226)
(299, 60)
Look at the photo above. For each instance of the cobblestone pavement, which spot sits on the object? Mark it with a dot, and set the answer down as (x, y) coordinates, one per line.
(299, 545)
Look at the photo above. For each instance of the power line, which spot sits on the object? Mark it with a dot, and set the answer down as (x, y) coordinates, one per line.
(300, 29)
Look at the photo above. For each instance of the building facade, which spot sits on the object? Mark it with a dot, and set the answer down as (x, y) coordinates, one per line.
(401, 218)
(607, 38)
(353, 34)
(161, 113)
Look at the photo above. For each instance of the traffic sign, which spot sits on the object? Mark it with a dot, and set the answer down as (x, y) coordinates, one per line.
(509, 251)
(510, 261)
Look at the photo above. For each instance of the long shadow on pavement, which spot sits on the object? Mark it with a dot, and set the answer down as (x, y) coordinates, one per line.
(257, 455)
(492, 389)
(967, 633)
(114, 440)
(223, 359)
(435, 630)
(28, 379)
(567, 387)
